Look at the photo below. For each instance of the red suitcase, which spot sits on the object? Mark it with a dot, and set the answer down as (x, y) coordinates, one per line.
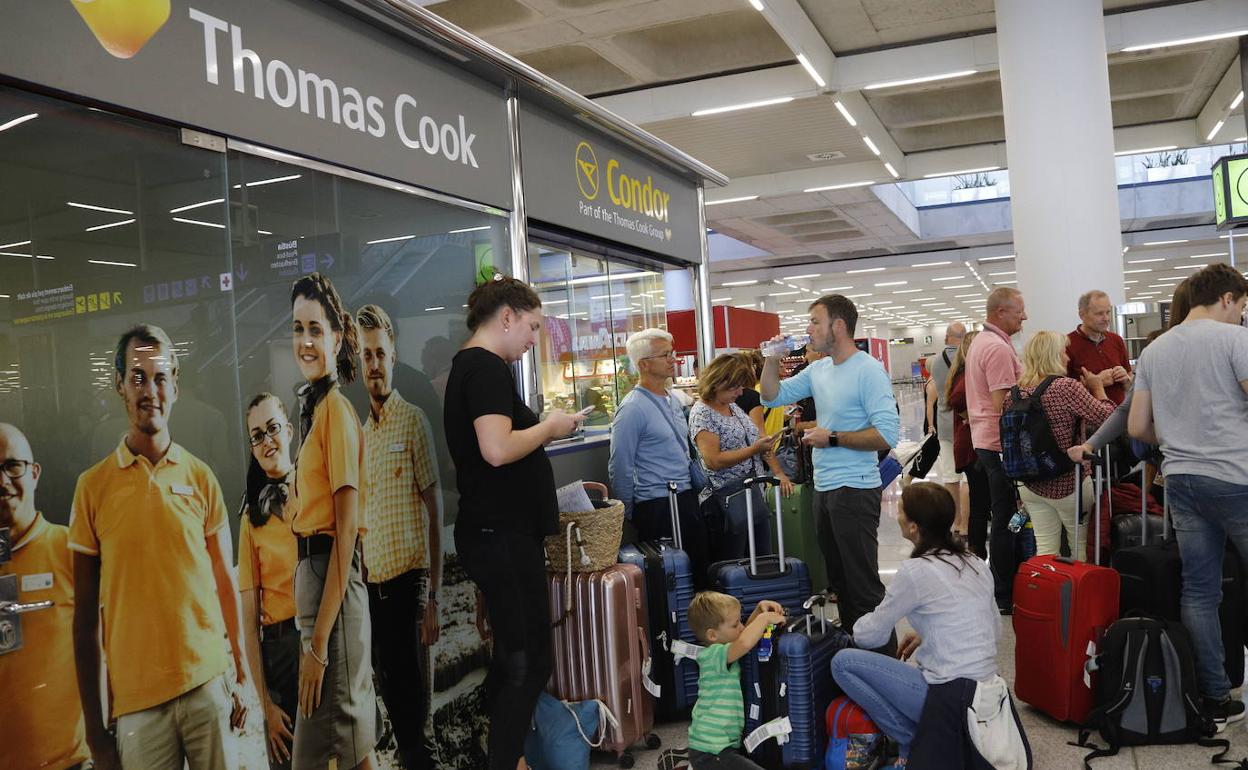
(1061, 607)
(602, 653)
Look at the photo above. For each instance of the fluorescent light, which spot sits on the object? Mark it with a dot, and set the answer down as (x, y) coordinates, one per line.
(934, 304)
(922, 299)
(845, 114)
(188, 207)
(18, 121)
(1144, 261)
(16, 254)
(1006, 283)
(1164, 243)
(963, 171)
(739, 283)
(966, 286)
(871, 145)
(810, 70)
(758, 4)
(274, 180)
(783, 293)
(731, 200)
(806, 275)
(743, 106)
(389, 240)
(892, 307)
(996, 259)
(836, 288)
(198, 222)
(892, 283)
(1138, 270)
(907, 291)
(977, 295)
(858, 296)
(924, 79)
(1187, 267)
(1004, 272)
(109, 262)
(865, 270)
(889, 167)
(950, 278)
(438, 307)
(845, 186)
(1238, 100)
(1186, 41)
(15, 243)
(554, 302)
(468, 230)
(1143, 150)
(933, 264)
(1203, 256)
(1214, 131)
(98, 208)
(110, 224)
(713, 299)
(263, 232)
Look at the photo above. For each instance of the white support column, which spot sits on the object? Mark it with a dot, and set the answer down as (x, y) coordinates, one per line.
(1060, 145)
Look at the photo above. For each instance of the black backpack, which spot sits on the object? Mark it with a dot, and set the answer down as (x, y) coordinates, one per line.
(1146, 691)
(1029, 451)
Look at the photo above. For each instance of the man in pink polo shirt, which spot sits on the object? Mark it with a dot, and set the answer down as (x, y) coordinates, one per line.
(992, 368)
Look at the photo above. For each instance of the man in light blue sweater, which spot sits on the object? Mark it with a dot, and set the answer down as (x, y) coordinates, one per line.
(857, 417)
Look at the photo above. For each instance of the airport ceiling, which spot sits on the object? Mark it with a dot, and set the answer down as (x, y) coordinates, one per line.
(656, 62)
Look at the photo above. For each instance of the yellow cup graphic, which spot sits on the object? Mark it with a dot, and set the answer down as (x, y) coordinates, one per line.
(123, 27)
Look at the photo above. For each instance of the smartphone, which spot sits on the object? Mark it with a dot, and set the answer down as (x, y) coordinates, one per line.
(584, 412)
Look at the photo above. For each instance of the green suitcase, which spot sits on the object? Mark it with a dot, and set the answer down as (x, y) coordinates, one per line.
(800, 539)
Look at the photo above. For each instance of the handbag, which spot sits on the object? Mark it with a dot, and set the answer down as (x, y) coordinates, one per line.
(560, 736)
(794, 457)
(926, 457)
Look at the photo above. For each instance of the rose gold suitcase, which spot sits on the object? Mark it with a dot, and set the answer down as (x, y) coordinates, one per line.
(601, 649)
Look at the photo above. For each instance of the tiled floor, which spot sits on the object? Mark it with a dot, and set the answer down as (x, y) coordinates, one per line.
(1049, 739)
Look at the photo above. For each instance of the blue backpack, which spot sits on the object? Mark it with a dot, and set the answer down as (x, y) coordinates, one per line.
(560, 738)
(854, 741)
(1029, 450)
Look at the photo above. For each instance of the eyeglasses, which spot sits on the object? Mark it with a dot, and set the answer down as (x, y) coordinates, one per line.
(270, 431)
(670, 355)
(15, 469)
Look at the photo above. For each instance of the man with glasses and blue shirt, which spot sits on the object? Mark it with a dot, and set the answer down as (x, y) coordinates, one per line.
(649, 448)
(857, 417)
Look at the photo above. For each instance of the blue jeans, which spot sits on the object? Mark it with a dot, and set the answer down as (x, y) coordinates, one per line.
(891, 692)
(1206, 511)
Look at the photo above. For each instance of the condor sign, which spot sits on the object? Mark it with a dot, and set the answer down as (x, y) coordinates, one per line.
(584, 181)
(290, 74)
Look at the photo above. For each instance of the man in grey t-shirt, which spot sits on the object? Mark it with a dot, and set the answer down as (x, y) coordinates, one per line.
(1191, 397)
(940, 418)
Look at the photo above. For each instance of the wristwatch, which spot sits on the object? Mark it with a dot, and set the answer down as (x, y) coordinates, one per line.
(834, 439)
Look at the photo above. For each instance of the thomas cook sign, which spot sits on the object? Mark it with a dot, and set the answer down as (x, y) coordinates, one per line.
(584, 181)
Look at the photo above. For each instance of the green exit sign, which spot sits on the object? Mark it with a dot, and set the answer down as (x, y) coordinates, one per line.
(1230, 191)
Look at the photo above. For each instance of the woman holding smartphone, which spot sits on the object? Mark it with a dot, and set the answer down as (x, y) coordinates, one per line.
(266, 574)
(507, 502)
(337, 705)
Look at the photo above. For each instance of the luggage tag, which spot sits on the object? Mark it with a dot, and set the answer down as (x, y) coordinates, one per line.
(1087, 671)
(682, 649)
(779, 728)
(651, 686)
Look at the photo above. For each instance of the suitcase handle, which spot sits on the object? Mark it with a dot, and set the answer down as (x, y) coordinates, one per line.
(1096, 490)
(674, 508)
(596, 486)
(749, 484)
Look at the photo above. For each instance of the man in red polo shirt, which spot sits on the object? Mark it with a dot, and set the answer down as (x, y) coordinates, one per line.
(1094, 347)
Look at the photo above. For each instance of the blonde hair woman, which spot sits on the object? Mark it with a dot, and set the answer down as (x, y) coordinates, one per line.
(1072, 408)
(971, 522)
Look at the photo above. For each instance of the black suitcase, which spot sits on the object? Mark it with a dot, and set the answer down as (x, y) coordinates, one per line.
(1129, 530)
(1152, 577)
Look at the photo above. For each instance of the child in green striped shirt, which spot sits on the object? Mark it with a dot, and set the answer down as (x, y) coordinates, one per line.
(719, 713)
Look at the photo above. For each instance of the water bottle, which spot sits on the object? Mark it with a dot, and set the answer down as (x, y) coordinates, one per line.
(772, 348)
(1018, 520)
(764, 644)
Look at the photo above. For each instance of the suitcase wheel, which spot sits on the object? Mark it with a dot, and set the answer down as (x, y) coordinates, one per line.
(626, 760)
(653, 741)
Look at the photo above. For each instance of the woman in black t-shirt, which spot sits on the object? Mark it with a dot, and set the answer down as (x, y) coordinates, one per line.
(507, 502)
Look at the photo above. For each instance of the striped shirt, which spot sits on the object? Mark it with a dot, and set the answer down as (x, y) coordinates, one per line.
(719, 713)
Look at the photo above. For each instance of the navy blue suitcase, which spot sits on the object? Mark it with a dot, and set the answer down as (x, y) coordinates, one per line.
(751, 580)
(668, 578)
(796, 683)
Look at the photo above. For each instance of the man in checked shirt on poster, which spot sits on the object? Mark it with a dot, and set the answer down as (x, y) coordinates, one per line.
(403, 544)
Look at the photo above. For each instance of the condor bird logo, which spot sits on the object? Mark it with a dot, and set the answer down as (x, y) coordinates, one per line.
(587, 170)
(123, 27)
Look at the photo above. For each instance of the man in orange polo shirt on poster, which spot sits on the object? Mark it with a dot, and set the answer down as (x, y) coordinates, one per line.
(1094, 347)
(152, 548)
(40, 713)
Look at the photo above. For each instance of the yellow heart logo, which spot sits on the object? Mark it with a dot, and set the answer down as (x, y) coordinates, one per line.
(123, 27)
(587, 170)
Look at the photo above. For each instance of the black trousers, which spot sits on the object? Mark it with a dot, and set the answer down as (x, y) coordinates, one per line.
(401, 662)
(279, 653)
(981, 508)
(652, 520)
(847, 524)
(1003, 558)
(510, 570)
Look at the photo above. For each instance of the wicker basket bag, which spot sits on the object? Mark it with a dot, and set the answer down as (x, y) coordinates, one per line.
(588, 541)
